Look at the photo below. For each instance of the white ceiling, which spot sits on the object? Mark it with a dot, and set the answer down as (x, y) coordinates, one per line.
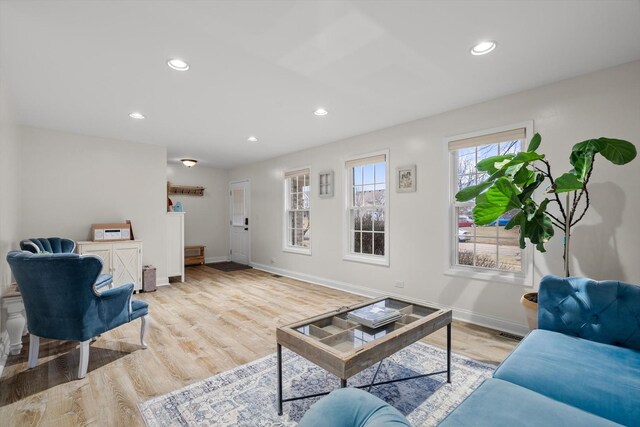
(262, 67)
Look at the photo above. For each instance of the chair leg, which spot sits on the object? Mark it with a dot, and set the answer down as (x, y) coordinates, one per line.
(84, 359)
(143, 330)
(34, 347)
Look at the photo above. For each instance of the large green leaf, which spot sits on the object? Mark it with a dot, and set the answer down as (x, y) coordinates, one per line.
(534, 143)
(485, 213)
(527, 191)
(472, 191)
(513, 170)
(618, 151)
(515, 221)
(567, 182)
(528, 157)
(582, 162)
(504, 193)
(591, 145)
(522, 157)
(522, 177)
(529, 209)
(499, 198)
(489, 164)
(540, 229)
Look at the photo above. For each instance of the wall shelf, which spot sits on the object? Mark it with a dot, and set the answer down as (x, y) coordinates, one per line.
(184, 190)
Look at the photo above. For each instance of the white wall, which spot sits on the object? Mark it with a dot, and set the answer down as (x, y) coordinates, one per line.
(71, 181)
(606, 243)
(10, 190)
(207, 217)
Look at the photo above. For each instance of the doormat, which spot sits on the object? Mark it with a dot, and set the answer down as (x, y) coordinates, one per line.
(246, 396)
(228, 266)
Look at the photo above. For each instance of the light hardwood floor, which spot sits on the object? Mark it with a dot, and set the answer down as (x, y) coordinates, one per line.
(213, 322)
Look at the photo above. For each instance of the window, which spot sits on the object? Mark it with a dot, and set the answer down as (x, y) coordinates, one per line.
(297, 211)
(488, 247)
(367, 210)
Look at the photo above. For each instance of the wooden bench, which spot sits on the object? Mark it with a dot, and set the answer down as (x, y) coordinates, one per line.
(194, 255)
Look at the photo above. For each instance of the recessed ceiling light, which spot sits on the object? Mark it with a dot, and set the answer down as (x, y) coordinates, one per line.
(252, 139)
(321, 112)
(483, 48)
(178, 64)
(136, 115)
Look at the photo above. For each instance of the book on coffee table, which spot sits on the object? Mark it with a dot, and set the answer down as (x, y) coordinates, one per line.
(374, 316)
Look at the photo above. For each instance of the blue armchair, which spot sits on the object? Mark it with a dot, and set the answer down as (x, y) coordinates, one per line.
(61, 303)
(59, 245)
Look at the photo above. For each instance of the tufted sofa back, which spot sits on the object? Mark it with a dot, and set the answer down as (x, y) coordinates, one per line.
(606, 312)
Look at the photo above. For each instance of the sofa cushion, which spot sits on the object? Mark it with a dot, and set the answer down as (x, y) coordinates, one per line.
(352, 407)
(598, 378)
(499, 403)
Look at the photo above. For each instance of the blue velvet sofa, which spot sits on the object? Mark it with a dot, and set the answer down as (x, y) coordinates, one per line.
(580, 368)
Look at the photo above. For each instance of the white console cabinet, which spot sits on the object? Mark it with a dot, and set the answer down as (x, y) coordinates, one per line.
(123, 260)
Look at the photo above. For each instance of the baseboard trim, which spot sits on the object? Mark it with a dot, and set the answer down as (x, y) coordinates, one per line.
(216, 259)
(4, 350)
(162, 281)
(458, 313)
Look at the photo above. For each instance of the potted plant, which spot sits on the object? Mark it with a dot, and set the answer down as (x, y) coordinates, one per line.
(513, 180)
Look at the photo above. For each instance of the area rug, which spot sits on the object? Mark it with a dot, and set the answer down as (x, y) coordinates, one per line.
(227, 266)
(246, 395)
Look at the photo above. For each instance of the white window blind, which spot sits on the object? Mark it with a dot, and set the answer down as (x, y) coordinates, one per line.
(492, 138)
(366, 161)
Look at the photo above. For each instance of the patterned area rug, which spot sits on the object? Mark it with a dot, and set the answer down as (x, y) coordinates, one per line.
(246, 395)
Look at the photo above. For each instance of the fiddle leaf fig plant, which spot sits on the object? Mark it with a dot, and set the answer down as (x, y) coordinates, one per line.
(514, 178)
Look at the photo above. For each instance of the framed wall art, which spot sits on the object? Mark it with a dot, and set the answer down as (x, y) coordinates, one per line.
(325, 182)
(406, 179)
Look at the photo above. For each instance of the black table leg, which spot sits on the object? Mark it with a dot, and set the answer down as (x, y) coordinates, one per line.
(343, 383)
(449, 353)
(279, 351)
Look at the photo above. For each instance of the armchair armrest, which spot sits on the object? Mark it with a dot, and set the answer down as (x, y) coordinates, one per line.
(103, 280)
(118, 292)
(606, 312)
(115, 305)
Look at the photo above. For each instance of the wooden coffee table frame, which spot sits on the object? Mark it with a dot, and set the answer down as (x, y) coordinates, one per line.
(344, 365)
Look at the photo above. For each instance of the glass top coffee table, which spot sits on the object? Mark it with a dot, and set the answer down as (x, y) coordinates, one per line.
(344, 347)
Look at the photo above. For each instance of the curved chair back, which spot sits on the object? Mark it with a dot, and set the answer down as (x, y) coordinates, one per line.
(57, 291)
(53, 245)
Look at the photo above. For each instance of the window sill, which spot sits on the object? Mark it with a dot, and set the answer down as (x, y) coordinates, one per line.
(518, 279)
(293, 250)
(365, 259)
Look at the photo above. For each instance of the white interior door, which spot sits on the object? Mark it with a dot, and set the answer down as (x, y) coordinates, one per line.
(239, 222)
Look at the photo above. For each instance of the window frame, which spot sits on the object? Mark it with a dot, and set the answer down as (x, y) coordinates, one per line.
(286, 246)
(347, 255)
(452, 268)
